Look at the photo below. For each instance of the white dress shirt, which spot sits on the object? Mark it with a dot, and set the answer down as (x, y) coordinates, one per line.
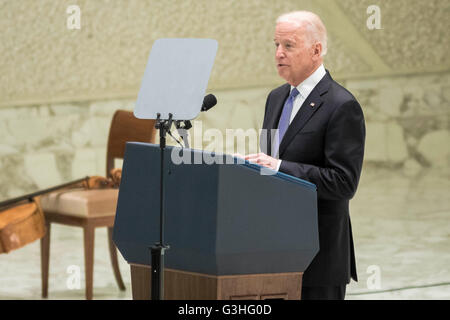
(304, 90)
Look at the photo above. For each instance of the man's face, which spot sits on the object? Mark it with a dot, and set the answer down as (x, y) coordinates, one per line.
(293, 53)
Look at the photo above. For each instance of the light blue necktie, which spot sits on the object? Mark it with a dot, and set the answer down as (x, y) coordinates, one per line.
(285, 118)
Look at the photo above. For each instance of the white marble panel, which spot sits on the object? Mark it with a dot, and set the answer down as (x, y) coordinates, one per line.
(99, 130)
(42, 170)
(395, 142)
(391, 99)
(100, 159)
(376, 139)
(84, 164)
(29, 130)
(435, 147)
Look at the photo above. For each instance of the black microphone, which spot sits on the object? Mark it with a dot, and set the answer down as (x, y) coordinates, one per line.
(209, 101)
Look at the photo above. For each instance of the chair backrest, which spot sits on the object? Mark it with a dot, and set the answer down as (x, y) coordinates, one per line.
(126, 127)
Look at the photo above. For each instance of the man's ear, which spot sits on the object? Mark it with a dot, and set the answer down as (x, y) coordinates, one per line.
(317, 51)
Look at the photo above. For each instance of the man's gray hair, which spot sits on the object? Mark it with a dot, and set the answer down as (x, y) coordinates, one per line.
(316, 31)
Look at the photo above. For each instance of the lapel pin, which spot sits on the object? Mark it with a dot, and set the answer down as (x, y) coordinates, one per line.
(312, 104)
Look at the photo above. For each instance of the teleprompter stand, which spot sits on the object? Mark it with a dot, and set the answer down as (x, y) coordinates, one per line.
(172, 90)
(158, 249)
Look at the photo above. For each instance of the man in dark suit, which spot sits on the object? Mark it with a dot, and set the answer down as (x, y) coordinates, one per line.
(321, 139)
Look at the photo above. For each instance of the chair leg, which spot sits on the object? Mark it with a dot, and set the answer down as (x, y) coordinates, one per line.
(114, 261)
(45, 259)
(89, 236)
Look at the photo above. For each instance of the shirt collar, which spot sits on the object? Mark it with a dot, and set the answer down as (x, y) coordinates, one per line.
(309, 83)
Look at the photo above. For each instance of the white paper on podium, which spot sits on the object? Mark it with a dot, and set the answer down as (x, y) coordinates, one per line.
(176, 78)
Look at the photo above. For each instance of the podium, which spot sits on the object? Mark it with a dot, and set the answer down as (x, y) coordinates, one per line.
(233, 232)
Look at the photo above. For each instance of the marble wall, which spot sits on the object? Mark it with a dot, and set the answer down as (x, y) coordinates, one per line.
(407, 121)
(43, 61)
(60, 87)
(46, 145)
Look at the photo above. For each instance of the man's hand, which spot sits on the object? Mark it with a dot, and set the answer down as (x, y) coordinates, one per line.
(238, 155)
(263, 160)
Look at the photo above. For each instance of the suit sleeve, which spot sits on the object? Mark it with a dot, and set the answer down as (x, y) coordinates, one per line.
(343, 152)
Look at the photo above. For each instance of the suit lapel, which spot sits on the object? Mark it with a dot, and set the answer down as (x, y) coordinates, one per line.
(273, 116)
(312, 103)
(278, 107)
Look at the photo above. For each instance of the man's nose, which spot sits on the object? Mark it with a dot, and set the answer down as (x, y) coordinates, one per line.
(279, 53)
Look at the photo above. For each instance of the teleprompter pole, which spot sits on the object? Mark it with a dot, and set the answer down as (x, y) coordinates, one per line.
(158, 249)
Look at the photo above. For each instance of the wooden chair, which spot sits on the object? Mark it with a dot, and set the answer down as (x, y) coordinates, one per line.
(90, 209)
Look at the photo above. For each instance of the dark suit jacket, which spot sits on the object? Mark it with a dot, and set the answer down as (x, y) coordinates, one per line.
(324, 144)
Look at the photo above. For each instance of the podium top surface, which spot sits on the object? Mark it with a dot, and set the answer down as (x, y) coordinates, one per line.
(236, 161)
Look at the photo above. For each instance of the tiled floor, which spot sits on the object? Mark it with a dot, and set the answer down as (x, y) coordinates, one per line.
(401, 229)
(402, 225)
